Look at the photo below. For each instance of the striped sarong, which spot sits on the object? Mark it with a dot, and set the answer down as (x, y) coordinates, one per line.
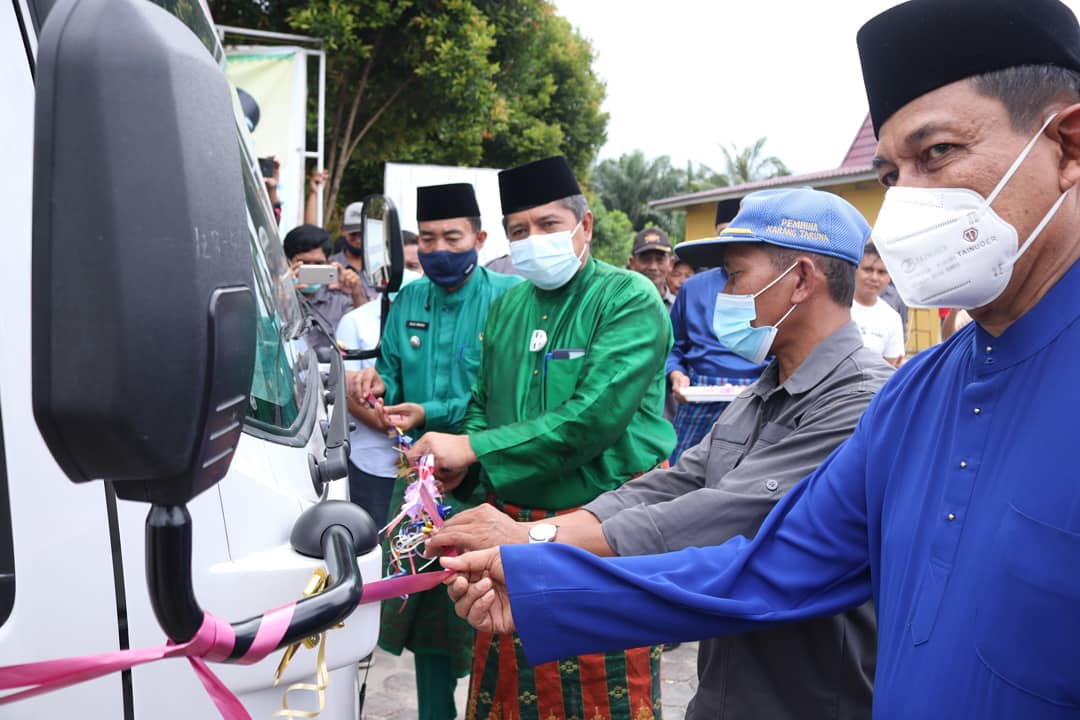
(693, 421)
(616, 686)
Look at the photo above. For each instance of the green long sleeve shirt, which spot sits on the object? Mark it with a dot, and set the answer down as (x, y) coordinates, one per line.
(431, 345)
(557, 426)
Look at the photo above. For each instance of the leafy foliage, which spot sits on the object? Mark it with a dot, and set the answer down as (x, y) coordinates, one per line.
(447, 82)
(613, 235)
(749, 164)
(628, 183)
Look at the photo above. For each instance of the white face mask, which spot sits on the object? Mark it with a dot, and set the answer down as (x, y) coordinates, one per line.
(946, 247)
(547, 261)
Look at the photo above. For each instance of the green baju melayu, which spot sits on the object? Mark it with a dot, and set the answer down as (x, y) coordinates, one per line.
(568, 405)
(430, 355)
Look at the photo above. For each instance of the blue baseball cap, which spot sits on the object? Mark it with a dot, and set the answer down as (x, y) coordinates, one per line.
(797, 218)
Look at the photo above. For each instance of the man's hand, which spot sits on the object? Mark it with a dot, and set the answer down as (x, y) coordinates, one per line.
(293, 267)
(317, 178)
(478, 590)
(349, 282)
(365, 382)
(450, 479)
(274, 180)
(678, 382)
(453, 455)
(360, 408)
(476, 529)
(406, 416)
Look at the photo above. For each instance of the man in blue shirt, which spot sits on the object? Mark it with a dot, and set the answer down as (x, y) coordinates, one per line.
(697, 358)
(956, 503)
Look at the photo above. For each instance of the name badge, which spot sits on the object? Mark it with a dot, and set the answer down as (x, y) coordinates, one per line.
(416, 325)
(538, 341)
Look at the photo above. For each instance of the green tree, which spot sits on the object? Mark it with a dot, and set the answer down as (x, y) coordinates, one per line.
(451, 82)
(423, 62)
(547, 88)
(628, 183)
(749, 164)
(613, 235)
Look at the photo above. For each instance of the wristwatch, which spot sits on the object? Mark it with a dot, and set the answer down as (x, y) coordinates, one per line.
(543, 532)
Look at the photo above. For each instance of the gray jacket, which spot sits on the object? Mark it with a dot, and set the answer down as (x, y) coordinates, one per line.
(768, 439)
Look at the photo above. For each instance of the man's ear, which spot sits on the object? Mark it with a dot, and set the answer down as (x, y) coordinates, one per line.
(1067, 128)
(587, 226)
(480, 238)
(809, 277)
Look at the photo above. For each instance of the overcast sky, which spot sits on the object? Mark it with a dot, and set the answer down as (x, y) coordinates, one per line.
(685, 76)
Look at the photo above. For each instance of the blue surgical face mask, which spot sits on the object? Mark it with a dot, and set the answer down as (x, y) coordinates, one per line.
(547, 261)
(731, 323)
(311, 289)
(448, 269)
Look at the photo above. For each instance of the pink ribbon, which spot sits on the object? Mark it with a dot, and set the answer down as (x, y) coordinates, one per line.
(213, 641)
(403, 585)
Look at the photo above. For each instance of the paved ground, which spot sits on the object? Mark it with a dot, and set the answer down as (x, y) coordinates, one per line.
(391, 687)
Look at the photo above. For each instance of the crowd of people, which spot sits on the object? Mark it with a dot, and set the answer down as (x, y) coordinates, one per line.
(724, 441)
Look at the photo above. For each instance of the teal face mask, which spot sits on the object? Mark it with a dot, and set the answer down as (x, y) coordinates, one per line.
(731, 323)
(311, 289)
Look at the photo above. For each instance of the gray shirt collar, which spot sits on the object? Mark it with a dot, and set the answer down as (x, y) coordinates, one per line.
(822, 360)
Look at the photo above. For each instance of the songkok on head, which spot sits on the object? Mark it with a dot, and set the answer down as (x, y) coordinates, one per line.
(536, 183)
(726, 210)
(923, 45)
(442, 202)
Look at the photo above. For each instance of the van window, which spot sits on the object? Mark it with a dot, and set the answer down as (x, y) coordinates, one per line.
(277, 386)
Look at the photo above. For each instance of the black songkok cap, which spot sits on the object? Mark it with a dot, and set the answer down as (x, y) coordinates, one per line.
(442, 202)
(726, 210)
(536, 183)
(923, 45)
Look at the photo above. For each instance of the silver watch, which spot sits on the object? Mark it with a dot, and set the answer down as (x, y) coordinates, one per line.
(543, 532)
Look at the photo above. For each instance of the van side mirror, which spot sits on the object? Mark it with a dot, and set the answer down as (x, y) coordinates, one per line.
(384, 258)
(143, 320)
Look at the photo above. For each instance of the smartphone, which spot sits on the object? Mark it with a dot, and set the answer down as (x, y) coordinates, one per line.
(316, 275)
(266, 166)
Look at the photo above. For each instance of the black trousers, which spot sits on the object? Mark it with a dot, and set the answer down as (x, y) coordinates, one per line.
(371, 493)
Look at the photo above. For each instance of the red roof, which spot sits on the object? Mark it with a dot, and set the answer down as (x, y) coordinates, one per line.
(863, 148)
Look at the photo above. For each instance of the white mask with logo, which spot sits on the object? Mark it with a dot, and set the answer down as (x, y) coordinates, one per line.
(946, 247)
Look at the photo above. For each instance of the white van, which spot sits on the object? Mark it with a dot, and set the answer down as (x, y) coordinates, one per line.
(150, 346)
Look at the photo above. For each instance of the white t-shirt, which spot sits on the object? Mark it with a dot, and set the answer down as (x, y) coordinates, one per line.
(370, 450)
(881, 328)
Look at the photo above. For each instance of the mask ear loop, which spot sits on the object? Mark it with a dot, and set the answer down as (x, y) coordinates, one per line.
(1039, 228)
(778, 279)
(1019, 160)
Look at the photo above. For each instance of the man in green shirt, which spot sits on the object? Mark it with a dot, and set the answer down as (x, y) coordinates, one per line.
(567, 406)
(427, 364)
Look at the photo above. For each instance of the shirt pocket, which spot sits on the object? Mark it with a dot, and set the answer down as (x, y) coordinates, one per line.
(727, 446)
(771, 434)
(470, 359)
(561, 380)
(1027, 627)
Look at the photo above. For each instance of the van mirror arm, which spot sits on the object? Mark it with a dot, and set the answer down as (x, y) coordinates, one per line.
(336, 530)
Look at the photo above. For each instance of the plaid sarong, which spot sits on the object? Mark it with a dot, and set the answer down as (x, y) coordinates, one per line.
(602, 686)
(693, 421)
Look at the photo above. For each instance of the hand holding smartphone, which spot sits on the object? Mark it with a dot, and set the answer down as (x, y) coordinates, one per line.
(316, 275)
